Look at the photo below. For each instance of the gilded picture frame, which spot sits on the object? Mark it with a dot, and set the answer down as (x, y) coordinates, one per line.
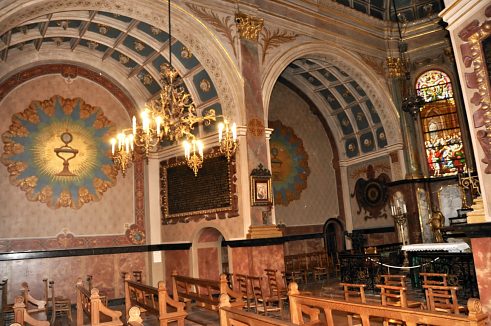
(261, 187)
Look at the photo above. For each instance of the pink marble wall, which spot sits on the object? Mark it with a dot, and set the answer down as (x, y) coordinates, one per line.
(481, 250)
(177, 260)
(253, 260)
(304, 246)
(105, 269)
(208, 263)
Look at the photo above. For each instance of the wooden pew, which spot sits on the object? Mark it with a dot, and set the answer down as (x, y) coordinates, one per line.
(299, 304)
(29, 299)
(153, 300)
(205, 293)
(302, 306)
(21, 316)
(6, 309)
(91, 304)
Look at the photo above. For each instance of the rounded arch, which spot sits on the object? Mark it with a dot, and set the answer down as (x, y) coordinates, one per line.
(334, 227)
(188, 29)
(351, 64)
(208, 258)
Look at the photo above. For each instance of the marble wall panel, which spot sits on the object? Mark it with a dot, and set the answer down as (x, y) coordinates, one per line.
(208, 263)
(481, 250)
(105, 269)
(239, 260)
(177, 260)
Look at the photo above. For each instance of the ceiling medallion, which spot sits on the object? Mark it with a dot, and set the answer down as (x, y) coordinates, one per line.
(56, 152)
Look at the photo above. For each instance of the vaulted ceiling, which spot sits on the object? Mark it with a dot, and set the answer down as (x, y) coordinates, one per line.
(136, 47)
(349, 110)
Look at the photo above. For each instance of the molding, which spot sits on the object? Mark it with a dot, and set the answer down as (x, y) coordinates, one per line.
(7, 256)
(470, 230)
(376, 230)
(271, 241)
(422, 180)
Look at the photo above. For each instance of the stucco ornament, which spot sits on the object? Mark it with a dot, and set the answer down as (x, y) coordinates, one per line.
(57, 152)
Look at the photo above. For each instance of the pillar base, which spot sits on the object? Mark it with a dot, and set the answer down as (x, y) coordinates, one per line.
(477, 215)
(264, 231)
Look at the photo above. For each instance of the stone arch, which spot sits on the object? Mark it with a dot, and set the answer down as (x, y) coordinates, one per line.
(352, 64)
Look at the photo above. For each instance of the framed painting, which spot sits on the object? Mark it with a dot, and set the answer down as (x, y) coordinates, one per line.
(261, 187)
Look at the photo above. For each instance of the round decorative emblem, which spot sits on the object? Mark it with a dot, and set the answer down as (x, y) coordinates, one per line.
(57, 151)
(289, 164)
(374, 193)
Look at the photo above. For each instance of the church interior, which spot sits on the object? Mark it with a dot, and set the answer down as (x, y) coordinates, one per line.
(250, 158)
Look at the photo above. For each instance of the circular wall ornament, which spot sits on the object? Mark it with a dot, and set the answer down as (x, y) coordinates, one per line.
(58, 152)
(289, 164)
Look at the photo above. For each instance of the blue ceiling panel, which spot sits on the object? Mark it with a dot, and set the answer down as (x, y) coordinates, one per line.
(333, 102)
(360, 118)
(187, 59)
(351, 147)
(373, 112)
(154, 32)
(367, 142)
(345, 93)
(381, 138)
(204, 86)
(311, 79)
(346, 126)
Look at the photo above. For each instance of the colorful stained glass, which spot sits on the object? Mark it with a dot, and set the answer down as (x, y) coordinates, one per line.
(440, 125)
(434, 85)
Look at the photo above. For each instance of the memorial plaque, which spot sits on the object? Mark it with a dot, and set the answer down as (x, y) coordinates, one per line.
(183, 194)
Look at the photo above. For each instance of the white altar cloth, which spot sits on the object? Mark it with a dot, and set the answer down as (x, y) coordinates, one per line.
(450, 247)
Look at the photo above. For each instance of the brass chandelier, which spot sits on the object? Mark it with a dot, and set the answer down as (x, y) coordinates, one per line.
(171, 116)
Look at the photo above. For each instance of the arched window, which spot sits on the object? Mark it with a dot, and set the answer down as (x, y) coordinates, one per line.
(440, 125)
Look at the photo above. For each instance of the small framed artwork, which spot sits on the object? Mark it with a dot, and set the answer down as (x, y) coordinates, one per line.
(261, 189)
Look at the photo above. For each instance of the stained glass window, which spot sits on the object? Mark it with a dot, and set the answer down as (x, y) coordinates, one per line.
(440, 125)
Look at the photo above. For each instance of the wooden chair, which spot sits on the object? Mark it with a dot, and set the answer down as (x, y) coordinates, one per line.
(263, 303)
(394, 279)
(396, 296)
(354, 293)
(7, 309)
(440, 279)
(275, 291)
(138, 276)
(442, 299)
(59, 305)
(243, 286)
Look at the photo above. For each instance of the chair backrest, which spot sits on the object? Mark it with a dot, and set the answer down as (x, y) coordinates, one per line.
(243, 285)
(354, 292)
(442, 298)
(394, 279)
(393, 295)
(138, 276)
(274, 289)
(256, 289)
(440, 279)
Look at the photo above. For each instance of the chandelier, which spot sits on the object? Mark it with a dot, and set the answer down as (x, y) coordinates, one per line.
(171, 116)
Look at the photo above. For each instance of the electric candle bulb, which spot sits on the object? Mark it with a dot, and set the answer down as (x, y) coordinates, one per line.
(234, 131)
(200, 147)
(220, 132)
(134, 125)
(113, 145)
(158, 120)
(187, 148)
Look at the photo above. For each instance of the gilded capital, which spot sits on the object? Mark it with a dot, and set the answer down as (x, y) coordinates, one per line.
(249, 27)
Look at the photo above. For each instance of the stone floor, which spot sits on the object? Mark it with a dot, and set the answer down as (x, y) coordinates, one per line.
(326, 288)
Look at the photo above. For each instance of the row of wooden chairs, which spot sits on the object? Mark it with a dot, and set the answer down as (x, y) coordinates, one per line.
(316, 265)
(256, 296)
(440, 297)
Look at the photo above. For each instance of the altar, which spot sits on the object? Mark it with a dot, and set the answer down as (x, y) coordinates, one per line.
(454, 259)
(448, 247)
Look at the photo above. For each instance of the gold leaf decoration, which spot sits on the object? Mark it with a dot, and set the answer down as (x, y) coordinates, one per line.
(224, 25)
(273, 39)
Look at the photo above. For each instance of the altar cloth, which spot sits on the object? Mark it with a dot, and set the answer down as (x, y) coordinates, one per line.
(450, 247)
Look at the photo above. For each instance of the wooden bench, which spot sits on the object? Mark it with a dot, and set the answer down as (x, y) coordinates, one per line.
(305, 310)
(91, 304)
(205, 293)
(40, 305)
(6, 309)
(153, 300)
(21, 316)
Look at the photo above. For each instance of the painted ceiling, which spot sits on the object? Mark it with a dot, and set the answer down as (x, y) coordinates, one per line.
(407, 10)
(343, 102)
(137, 48)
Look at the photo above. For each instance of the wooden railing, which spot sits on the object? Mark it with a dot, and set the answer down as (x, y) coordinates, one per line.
(155, 301)
(206, 293)
(305, 310)
(91, 304)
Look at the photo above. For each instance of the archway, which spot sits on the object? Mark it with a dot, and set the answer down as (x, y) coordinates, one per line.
(210, 258)
(334, 236)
